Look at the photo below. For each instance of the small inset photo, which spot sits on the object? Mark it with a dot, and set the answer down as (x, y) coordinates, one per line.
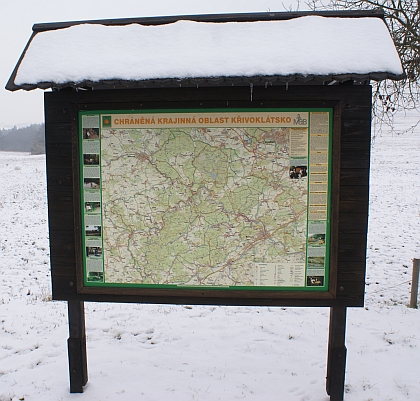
(315, 281)
(296, 172)
(93, 251)
(95, 276)
(92, 207)
(91, 160)
(91, 183)
(316, 261)
(90, 133)
(316, 239)
(93, 231)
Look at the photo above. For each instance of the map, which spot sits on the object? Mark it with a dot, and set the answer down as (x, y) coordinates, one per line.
(216, 202)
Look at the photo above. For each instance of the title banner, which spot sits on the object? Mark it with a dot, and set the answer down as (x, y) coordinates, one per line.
(173, 120)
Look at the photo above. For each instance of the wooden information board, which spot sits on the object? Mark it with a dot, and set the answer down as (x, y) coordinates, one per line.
(207, 189)
(208, 195)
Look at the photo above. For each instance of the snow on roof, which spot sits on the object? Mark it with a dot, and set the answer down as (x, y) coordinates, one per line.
(309, 45)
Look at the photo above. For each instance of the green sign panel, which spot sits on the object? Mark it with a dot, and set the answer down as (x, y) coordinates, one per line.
(218, 199)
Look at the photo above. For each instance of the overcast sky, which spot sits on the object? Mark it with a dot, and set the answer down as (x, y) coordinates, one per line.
(17, 17)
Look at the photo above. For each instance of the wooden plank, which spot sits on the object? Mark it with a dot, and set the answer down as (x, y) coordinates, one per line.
(351, 281)
(60, 103)
(357, 276)
(62, 243)
(353, 206)
(59, 154)
(355, 130)
(63, 270)
(57, 133)
(352, 223)
(61, 177)
(61, 221)
(59, 192)
(362, 162)
(361, 148)
(344, 299)
(58, 114)
(352, 241)
(355, 254)
(355, 155)
(64, 288)
(63, 265)
(354, 176)
(355, 193)
(59, 203)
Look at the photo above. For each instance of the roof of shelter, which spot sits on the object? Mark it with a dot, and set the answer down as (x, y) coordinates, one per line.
(220, 49)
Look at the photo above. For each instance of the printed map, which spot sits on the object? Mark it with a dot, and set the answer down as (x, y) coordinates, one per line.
(200, 206)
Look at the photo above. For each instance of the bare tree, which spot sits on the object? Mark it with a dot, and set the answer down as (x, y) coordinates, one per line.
(403, 19)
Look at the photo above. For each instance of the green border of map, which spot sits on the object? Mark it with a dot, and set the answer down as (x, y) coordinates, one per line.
(90, 125)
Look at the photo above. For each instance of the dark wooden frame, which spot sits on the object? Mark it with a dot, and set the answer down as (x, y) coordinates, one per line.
(351, 152)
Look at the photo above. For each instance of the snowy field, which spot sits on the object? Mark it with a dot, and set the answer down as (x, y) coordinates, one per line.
(182, 353)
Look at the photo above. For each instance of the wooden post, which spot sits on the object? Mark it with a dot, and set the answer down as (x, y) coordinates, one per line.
(336, 358)
(414, 284)
(76, 345)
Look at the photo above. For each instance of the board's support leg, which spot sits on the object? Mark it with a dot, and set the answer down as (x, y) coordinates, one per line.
(76, 345)
(337, 352)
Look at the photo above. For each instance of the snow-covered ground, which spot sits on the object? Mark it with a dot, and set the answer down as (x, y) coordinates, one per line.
(181, 353)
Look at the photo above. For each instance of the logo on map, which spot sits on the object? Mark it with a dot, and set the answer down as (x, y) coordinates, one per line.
(106, 121)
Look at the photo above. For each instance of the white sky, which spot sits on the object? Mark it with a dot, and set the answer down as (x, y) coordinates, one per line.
(18, 16)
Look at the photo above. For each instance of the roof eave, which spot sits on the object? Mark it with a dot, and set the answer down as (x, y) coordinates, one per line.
(274, 80)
